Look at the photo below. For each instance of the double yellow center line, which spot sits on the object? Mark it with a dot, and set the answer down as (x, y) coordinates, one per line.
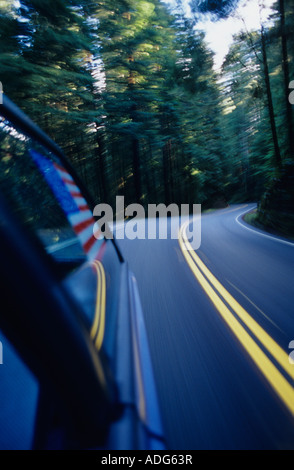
(98, 326)
(236, 318)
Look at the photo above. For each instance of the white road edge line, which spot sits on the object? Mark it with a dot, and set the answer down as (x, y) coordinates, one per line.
(255, 306)
(271, 237)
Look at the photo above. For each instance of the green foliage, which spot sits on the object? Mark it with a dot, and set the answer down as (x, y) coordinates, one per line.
(129, 92)
(125, 88)
(248, 83)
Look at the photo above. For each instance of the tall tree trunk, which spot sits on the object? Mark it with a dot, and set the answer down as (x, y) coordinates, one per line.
(101, 168)
(165, 168)
(135, 141)
(136, 169)
(278, 160)
(285, 63)
(171, 170)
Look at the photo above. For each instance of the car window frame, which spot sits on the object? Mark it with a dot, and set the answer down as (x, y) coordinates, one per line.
(89, 419)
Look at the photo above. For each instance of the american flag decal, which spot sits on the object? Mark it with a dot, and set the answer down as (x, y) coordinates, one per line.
(73, 204)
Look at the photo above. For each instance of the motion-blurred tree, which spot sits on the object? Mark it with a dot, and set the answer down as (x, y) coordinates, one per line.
(198, 108)
(56, 87)
(129, 91)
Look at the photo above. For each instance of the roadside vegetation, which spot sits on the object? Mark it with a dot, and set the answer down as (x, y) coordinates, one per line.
(128, 89)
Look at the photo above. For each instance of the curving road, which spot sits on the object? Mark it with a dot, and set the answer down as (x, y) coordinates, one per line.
(219, 323)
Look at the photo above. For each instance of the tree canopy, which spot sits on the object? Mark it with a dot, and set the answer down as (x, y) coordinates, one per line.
(218, 8)
(129, 90)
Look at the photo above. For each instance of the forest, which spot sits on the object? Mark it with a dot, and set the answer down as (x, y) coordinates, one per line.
(129, 91)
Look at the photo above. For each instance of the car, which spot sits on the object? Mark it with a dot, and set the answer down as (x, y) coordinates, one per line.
(75, 364)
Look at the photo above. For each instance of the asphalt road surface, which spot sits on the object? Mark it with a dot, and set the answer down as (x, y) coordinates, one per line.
(219, 323)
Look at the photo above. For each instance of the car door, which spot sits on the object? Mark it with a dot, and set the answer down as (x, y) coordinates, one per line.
(71, 323)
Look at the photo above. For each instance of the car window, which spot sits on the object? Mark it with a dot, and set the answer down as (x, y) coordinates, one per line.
(44, 197)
